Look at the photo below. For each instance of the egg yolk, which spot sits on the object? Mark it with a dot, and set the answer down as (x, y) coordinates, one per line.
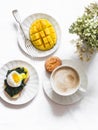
(16, 77)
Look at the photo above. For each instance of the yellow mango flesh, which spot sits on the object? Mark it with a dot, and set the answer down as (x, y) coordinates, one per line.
(42, 34)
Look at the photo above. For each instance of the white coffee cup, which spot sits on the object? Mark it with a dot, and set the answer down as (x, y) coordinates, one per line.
(65, 80)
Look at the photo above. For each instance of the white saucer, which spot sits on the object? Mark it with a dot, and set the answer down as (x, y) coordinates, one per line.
(30, 50)
(68, 99)
(31, 88)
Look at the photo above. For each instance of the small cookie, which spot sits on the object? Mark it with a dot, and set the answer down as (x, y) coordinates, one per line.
(52, 62)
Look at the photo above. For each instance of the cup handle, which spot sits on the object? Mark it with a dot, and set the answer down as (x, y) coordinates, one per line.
(82, 89)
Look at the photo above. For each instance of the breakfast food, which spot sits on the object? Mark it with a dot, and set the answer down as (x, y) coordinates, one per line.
(15, 81)
(42, 34)
(52, 62)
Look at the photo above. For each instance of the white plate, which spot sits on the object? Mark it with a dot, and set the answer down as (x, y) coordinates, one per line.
(68, 99)
(32, 51)
(31, 88)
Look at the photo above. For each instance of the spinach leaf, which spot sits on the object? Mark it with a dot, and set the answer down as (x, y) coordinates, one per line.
(13, 91)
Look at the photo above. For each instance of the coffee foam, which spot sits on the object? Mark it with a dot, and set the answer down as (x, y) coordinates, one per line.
(65, 79)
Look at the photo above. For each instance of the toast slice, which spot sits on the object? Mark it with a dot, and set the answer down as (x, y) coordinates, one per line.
(15, 96)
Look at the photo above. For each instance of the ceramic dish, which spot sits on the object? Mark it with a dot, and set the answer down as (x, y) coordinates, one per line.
(31, 88)
(65, 100)
(30, 50)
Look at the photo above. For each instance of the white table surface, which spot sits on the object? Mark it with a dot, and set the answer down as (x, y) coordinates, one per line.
(41, 113)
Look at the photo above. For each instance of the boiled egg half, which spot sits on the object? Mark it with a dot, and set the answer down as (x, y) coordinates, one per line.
(14, 79)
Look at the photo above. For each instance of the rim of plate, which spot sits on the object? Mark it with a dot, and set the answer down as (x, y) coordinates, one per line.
(33, 52)
(31, 88)
(66, 100)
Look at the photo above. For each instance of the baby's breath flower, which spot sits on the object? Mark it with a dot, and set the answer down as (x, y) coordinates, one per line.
(86, 27)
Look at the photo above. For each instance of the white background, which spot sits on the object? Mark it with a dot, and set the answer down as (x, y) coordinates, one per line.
(41, 113)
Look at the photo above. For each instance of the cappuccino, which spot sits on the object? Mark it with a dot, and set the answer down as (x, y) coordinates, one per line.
(65, 80)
